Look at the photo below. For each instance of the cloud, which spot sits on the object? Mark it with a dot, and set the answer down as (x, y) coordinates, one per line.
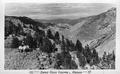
(55, 10)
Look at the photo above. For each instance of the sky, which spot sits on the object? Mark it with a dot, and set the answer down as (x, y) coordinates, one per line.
(55, 10)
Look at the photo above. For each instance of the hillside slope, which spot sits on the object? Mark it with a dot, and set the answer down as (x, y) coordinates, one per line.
(98, 31)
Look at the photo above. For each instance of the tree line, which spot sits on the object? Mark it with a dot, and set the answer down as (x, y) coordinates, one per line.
(43, 41)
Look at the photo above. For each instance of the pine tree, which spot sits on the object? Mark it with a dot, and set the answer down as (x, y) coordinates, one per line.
(67, 60)
(15, 42)
(94, 54)
(59, 60)
(78, 46)
(63, 37)
(41, 33)
(72, 46)
(49, 34)
(87, 54)
(63, 45)
(81, 58)
(37, 38)
(67, 45)
(57, 37)
(29, 41)
(68, 42)
(95, 57)
(47, 46)
(113, 57)
(53, 47)
(104, 56)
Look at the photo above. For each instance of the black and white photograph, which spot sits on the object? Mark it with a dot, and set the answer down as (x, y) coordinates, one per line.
(60, 36)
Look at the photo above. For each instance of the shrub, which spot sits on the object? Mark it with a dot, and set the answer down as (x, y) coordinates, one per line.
(15, 42)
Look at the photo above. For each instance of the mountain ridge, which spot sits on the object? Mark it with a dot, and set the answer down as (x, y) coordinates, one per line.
(88, 30)
(68, 21)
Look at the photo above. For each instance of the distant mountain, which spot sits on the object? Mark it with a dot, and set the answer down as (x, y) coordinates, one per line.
(56, 21)
(61, 21)
(64, 21)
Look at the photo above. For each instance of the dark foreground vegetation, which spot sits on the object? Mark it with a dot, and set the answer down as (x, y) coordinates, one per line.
(46, 49)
